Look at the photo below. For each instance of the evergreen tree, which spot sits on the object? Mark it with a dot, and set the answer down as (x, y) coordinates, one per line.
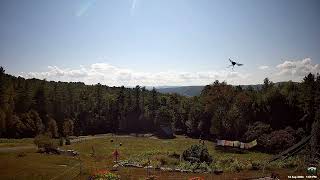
(121, 109)
(40, 100)
(308, 99)
(24, 99)
(154, 105)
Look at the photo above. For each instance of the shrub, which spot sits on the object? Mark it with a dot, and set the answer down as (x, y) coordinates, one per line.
(256, 130)
(216, 166)
(197, 153)
(236, 166)
(185, 165)
(273, 142)
(263, 141)
(204, 167)
(279, 141)
(104, 175)
(44, 141)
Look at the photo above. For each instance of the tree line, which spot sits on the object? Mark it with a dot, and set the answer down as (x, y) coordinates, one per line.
(31, 106)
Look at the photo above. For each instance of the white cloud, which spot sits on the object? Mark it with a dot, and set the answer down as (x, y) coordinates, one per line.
(263, 67)
(296, 70)
(114, 76)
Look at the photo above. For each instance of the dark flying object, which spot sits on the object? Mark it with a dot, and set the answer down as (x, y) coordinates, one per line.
(233, 63)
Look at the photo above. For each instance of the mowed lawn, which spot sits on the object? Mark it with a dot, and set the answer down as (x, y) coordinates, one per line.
(96, 154)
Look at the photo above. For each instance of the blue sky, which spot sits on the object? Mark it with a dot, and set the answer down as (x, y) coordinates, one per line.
(160, 42)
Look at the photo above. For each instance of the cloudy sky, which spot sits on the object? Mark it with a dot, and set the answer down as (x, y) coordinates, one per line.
(160, 42)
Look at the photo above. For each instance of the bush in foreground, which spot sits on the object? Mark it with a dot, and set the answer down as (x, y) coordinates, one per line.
(279, 141)
(197, 154)
(44, 141)
(271, 141)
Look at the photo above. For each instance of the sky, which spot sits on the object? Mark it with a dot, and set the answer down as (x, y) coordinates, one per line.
(160, 42)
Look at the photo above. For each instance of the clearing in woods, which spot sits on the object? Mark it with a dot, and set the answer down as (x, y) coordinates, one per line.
(96, 153)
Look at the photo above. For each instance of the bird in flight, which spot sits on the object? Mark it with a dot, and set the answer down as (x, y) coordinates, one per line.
(233, 63)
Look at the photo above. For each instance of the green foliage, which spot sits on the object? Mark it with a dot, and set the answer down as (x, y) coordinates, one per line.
(106, 176)
(236, 166)
(162, 159)
(2, 122)
(315, 139)
(44, 141)
(163, 116)
(194, 118)
(68, 142)
(52, 127)
(68, 127)
(267, 84)
(256, 165)
(61, 141)
(216, 166)
(30, 106)
(174, 155)
(197, 153)
(204, 167)
(256, 130)
(27, 125)
(228, 109)
(291, 162)
(186, 165)
(277, 141)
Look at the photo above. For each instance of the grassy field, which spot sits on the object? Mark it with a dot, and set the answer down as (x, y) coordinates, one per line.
(15, 142)
(96, 154)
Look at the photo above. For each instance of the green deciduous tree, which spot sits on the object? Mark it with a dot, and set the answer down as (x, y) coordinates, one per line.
(52, 127)
(68, 127)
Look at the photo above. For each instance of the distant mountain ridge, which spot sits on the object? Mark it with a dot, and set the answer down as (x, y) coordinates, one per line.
(196, 90)
(182, 90)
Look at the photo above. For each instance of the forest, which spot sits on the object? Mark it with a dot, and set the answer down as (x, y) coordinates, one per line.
(277, 115)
